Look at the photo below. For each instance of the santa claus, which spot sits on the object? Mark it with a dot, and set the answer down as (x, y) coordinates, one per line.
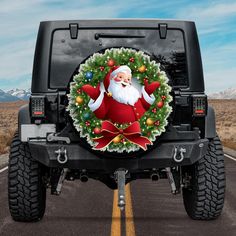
(117, 100)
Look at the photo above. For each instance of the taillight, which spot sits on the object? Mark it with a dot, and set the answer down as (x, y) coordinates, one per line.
(37, 104)
(199, 105)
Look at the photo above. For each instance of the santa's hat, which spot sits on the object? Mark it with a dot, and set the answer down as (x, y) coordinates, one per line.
(113, 72)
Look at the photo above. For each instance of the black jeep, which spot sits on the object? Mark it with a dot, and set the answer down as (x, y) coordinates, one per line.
(58, 140)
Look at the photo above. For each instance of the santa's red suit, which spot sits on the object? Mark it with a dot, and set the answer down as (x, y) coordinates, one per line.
(105, 107)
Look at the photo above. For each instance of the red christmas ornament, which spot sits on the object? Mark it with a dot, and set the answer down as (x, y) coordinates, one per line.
(157, 123)
(131, 59)
(160, 104)
(163, 97)
(111, 62)
(102, 68)
(97, 130)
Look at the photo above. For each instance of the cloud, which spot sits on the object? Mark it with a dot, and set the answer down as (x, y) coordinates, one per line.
(214, 11)
(17, 59)
(221, 56)
(211, 17)
(219, 66)
(216, 23)
(12, 6)
(220, 79)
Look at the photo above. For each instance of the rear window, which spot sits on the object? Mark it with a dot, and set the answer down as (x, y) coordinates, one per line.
(68, 53)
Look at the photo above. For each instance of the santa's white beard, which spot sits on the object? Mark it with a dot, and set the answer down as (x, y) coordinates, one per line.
(127, 95)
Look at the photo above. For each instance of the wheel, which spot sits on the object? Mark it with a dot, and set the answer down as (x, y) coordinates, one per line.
(204, 197)
(26, 191)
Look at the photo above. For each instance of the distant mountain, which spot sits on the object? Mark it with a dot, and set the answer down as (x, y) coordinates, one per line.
(229, 93)
(6, 97)
(20, 93)
(15, 95)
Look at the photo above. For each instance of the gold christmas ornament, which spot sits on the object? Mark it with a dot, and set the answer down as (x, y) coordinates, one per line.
(142, 69)
(117, 139)
(149, 122)
(79, 100)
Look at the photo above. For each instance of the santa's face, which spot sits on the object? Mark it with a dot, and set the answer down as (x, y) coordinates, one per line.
(124, 79)
(122, 89)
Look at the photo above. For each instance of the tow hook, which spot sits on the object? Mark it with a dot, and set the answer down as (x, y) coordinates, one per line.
(120, 176)
(179, 154)
(62, 157)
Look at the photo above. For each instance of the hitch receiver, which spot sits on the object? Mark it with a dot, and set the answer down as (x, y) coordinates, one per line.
(120, 176)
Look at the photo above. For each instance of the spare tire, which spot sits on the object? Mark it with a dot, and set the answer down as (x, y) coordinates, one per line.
(119, 102)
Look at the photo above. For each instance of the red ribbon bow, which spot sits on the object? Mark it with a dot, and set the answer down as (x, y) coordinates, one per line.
(133, 133)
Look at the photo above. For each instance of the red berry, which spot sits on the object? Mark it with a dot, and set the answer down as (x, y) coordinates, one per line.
(97, 130)
(154, 110)
(160, 104)
(87, 123)
(163, 97)
(79, 90)
(157, 123)
(131, 59)
(111, 62)
(102, 68)
(123, 140)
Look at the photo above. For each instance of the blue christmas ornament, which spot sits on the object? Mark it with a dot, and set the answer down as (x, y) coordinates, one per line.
(89, 75)
(86, 116)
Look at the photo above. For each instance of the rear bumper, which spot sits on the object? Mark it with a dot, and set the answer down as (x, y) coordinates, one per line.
(80, 158)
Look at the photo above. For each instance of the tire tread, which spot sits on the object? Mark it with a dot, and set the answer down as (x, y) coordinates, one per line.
(26, 192)
(206, 198)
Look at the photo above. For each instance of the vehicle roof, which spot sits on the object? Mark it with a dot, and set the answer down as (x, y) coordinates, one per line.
(118, 22)
(121, 20)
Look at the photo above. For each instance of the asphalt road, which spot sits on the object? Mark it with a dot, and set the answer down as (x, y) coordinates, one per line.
(90, 209)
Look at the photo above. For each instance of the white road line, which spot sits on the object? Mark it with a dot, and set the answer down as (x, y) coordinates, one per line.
(230, 157)
(3, 169)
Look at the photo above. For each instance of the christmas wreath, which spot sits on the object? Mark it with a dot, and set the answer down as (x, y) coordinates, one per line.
(119, 100)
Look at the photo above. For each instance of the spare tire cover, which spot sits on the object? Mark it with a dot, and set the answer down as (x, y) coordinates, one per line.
(119, 100)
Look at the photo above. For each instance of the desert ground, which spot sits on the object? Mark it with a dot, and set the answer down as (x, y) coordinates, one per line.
(8, 123)
(225, 121)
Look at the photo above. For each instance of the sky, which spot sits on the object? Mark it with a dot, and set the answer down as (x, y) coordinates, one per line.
(215, 22)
